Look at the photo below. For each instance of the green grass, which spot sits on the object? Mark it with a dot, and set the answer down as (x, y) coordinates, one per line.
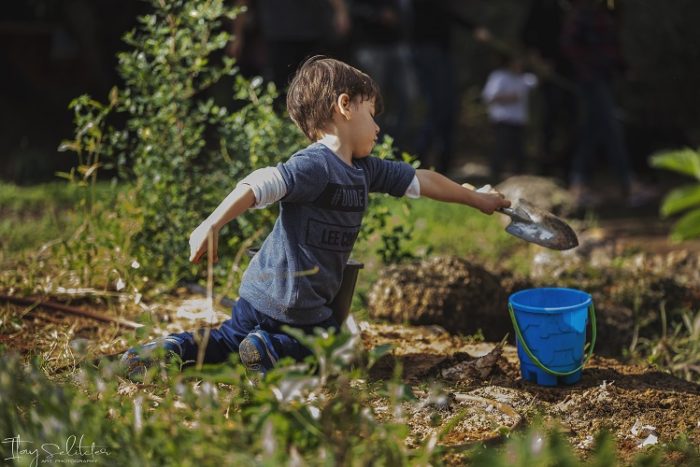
(453, 229)
(31, 216)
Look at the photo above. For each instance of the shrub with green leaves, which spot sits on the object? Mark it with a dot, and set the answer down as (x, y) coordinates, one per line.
(181, 149)
(684, 200)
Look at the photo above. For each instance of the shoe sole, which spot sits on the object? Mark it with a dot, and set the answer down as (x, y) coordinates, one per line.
(250, 356)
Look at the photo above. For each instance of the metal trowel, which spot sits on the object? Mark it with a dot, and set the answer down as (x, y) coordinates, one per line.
(535, 225)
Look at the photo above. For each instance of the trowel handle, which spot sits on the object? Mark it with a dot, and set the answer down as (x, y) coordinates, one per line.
(484, 189)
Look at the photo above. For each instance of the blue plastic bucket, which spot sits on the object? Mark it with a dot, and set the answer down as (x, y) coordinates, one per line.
(550, 326)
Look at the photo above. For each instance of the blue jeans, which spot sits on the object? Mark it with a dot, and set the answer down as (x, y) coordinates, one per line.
(435, 71)
(225, 340)
(510, 145)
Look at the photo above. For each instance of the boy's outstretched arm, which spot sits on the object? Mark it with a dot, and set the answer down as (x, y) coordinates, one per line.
(438, 187)
(237, 202)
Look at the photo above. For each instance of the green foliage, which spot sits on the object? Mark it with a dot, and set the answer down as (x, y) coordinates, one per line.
(542, 446)
(448, 229)
(387, 225)
(317, 413)
(535, 447)
(164, 131)
(676, 348)
(685, 199)
(182, 149)
(178, 175)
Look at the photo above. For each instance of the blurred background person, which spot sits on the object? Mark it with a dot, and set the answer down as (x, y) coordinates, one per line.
(295, 30)
(431, 43)
(556, 91)
(589, 39)
(506, 95)
(379, 39)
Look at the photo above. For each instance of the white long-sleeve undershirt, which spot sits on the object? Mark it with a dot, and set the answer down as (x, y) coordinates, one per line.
(268, 186)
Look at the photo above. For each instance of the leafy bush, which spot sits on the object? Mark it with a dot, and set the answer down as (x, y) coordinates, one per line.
(317, 413)
(685, 199)
(182, 150)
(156, 129)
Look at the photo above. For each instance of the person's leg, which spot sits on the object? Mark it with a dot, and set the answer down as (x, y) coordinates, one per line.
(288, 346)
(423, 56)
(219, 343)
(402, 63)
(611, 135)
(500, 153)
(266, 344)
(588, 139)
(446, 110)
(589, 133)
(548, 112)
(517, 148)
(186, 345)
(566, 119)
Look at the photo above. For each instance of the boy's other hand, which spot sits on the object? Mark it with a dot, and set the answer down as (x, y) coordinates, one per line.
(199, 242)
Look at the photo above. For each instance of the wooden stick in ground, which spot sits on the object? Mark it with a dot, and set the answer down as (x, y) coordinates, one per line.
(28, 301)
(202, 344)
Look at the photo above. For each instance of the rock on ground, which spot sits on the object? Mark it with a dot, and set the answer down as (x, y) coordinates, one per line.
(543, 192)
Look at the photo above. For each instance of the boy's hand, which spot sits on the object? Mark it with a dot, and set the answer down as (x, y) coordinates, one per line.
(199, 242)
(491, 199)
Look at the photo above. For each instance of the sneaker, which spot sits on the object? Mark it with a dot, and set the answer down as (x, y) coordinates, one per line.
(257, 352)
(136, 361)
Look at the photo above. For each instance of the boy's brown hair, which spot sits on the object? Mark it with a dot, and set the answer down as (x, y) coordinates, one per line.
(316, 86)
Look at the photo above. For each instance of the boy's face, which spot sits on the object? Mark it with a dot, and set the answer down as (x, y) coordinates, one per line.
(363, 129)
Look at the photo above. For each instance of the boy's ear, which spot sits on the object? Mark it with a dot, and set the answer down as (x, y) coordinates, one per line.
(343, 104)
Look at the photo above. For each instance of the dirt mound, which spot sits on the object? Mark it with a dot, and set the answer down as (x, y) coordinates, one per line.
(448, 291)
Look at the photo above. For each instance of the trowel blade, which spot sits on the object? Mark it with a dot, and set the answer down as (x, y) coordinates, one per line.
(541, 227)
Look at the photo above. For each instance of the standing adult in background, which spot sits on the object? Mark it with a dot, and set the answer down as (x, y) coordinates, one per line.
(294, 30)
(590, 41)
(379, 37)
(290, 32)
(541, 34)
(431, 43)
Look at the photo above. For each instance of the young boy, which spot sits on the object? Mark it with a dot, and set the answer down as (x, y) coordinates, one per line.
(506, 95)
(322, 191)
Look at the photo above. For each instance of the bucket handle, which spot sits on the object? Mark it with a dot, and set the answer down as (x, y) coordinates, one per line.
(591, 313)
